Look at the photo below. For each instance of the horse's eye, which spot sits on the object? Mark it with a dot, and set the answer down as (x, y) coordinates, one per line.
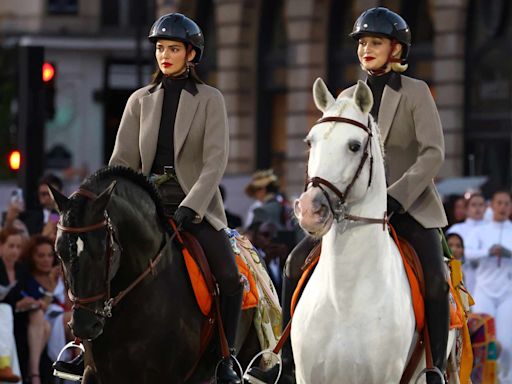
(354, 147)
(308, 143)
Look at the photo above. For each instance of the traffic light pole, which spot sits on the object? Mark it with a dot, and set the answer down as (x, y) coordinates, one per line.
(30, 121)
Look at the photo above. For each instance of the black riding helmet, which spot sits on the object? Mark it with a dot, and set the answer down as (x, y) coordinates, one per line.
(382, 21)
(175, 26)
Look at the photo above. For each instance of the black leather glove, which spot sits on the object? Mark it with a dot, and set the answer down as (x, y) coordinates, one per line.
(184, 216)
(394, 207)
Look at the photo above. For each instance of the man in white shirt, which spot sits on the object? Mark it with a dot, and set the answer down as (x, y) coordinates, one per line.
(491, 246)
(475, 209)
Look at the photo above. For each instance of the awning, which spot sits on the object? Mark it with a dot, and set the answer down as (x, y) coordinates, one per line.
(460, 185)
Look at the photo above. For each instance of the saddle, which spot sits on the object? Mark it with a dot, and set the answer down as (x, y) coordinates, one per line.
(205, 291)
(203, 281)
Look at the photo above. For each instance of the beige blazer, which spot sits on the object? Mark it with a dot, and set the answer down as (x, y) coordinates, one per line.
(201, 140)
(412, 134)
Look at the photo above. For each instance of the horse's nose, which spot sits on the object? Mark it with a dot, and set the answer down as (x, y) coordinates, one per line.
(311, 202)
(86, 326)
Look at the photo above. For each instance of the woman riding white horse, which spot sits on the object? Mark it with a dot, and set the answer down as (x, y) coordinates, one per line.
(414, 146)
(354, 321)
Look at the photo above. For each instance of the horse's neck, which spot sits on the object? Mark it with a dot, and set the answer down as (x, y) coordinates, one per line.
(140, 237)
(354, 248)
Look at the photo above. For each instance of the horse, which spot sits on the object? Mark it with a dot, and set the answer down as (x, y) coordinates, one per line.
(127, 279)
(354, 322)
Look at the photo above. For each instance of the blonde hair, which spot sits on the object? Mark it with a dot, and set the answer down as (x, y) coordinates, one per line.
(399, 67)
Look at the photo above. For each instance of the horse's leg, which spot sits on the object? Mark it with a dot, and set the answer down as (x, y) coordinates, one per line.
(90, 376)
(247, 339)
(90, 372)
(452, 367)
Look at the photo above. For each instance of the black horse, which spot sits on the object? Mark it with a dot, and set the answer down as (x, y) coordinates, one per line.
(110, 231)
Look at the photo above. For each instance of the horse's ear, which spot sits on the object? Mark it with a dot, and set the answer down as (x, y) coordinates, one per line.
(321, 95)
(100, 203)
(363, 97)
(61, 201)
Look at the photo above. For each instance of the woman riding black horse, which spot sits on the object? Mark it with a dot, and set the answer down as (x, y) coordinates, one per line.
(175, 132)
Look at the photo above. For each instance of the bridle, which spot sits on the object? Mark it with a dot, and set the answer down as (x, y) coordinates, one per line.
(112, 247)
(338, 209)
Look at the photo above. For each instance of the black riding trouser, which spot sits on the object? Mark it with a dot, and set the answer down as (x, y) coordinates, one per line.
(427, 244)
(220, 256)
(215, 244)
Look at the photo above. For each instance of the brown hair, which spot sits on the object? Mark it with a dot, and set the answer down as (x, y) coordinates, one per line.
(34, 242)
(9, 231)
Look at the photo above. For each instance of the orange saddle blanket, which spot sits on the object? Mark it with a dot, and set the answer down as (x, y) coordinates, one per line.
(416, 282)
(191, 253)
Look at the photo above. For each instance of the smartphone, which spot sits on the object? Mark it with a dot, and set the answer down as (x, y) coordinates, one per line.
(17, 196)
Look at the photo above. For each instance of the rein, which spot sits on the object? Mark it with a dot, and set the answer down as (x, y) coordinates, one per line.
(110, 302)
(338, 209)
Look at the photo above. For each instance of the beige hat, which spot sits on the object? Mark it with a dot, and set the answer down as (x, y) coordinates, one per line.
(260, 179)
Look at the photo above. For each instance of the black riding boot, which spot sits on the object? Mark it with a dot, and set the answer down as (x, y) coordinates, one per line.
(437, 316)
(256, 375)
(231, 306)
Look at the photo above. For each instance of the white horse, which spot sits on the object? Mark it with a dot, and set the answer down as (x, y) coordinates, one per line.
(354, 322)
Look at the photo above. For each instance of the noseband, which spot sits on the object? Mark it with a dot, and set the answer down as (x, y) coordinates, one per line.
(112, 247)
(338, 209)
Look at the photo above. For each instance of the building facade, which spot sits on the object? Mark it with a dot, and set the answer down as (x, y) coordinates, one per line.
(264, 56)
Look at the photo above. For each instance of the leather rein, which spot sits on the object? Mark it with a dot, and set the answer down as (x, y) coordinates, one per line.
(338, 209)
(112, 246)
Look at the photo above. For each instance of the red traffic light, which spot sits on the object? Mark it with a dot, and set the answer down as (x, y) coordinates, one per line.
(48, 72)
(15, 160)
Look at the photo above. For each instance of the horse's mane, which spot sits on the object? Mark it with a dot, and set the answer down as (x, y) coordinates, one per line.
(118, 171)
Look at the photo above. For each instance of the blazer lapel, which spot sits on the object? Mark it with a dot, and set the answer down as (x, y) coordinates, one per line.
(387, 110)
(150, 125)
(184, 115)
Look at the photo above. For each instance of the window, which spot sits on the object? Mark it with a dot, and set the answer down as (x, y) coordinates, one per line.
(62, 7)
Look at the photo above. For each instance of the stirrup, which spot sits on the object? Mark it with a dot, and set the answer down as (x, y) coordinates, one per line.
(239, 366)
(435, 370)
(248, 377)
(66, 375)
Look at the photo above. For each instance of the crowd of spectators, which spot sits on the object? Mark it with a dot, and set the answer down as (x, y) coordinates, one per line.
(34, 310)
(483, 240)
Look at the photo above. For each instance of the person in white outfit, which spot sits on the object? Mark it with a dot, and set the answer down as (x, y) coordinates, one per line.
(475, 209)
(9, 366)
(491, 246)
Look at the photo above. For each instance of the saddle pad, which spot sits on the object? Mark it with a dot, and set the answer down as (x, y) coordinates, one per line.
(415, 275)
(203, 297)
(251, 296)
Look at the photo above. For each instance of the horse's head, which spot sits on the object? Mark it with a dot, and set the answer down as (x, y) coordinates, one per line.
(340, 158)
(89, 252)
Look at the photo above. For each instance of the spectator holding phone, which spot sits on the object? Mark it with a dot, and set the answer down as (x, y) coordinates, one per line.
(42, 220)
(30, 327)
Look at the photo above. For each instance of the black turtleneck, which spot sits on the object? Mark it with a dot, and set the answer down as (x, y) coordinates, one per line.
(377, 84)
(165, 147)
